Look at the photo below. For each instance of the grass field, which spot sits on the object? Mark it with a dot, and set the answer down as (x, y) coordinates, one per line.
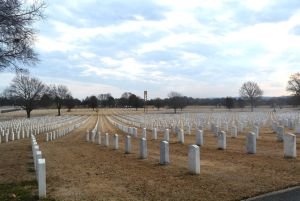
(77, 170)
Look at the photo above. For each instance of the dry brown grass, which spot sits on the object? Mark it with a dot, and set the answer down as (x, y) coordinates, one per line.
(77, 170)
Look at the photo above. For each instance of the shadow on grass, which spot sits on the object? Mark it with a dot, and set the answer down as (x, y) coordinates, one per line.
(30, 167)
(24, 191)
(31, 170)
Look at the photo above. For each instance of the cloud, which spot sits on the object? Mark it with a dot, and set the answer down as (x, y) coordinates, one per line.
(169, 45)
(295, 30)
(103, 13)
(6, 79)
(81, 89)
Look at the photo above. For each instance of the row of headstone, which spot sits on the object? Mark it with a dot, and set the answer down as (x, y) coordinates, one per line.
(133, 132)
(186, 122)
(65, 130)
(194, 151)
(251, 137)
(289, 140)
(36, 124)
(23, 130)
(40, 167)
(102, 140)
(7, 136)
(120, 126)
(193, 155)
(288, 120)
(242, 121)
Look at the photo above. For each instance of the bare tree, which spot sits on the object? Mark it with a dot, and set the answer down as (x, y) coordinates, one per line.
(59, 93)
(124, 100)
(69, 102)
(174, 100)
(16, 32)
(105, 99)
(183, 102)
(93, 102)
(27, 89)
(229, 102)
(250, 91)
(294, 87)
(135, 101)
(294, 84)
(240, 103)
(158, 103)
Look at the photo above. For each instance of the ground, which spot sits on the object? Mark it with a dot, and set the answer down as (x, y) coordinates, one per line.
(78, 170)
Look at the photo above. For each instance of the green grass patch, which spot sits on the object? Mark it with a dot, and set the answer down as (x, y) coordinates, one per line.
(24, 191)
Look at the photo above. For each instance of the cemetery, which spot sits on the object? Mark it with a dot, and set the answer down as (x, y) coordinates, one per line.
(149, 100)
(123, 154)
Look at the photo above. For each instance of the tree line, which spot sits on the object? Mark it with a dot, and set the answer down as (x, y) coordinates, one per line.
(30, 93)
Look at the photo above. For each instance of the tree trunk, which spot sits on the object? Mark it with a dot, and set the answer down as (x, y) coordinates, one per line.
(58, 105)
(28, 113)
(175, 110)
(251, 101)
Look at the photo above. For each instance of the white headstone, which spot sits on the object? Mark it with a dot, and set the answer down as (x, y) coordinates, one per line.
(127, 144)
(222, 140)
(194, 159)
(6, 137)
(241, 127)
(188, 128)
(116, 141)
(38, 156)
(143, 148)
(289, 144)
(251, 143)
(216, 130)
(144, 133)
(135, 132)
(154, 134)
(256, 131)
(233, 131)
(280, 133)
(106, 140)
(226, 126)
(181, 136)
(93, 136)
(199, 137)
(167, 135)
(164, 153)
(34, 152)
(99, 138)
(42, 178)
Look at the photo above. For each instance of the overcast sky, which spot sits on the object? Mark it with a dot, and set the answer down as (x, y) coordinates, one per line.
(200, 48)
